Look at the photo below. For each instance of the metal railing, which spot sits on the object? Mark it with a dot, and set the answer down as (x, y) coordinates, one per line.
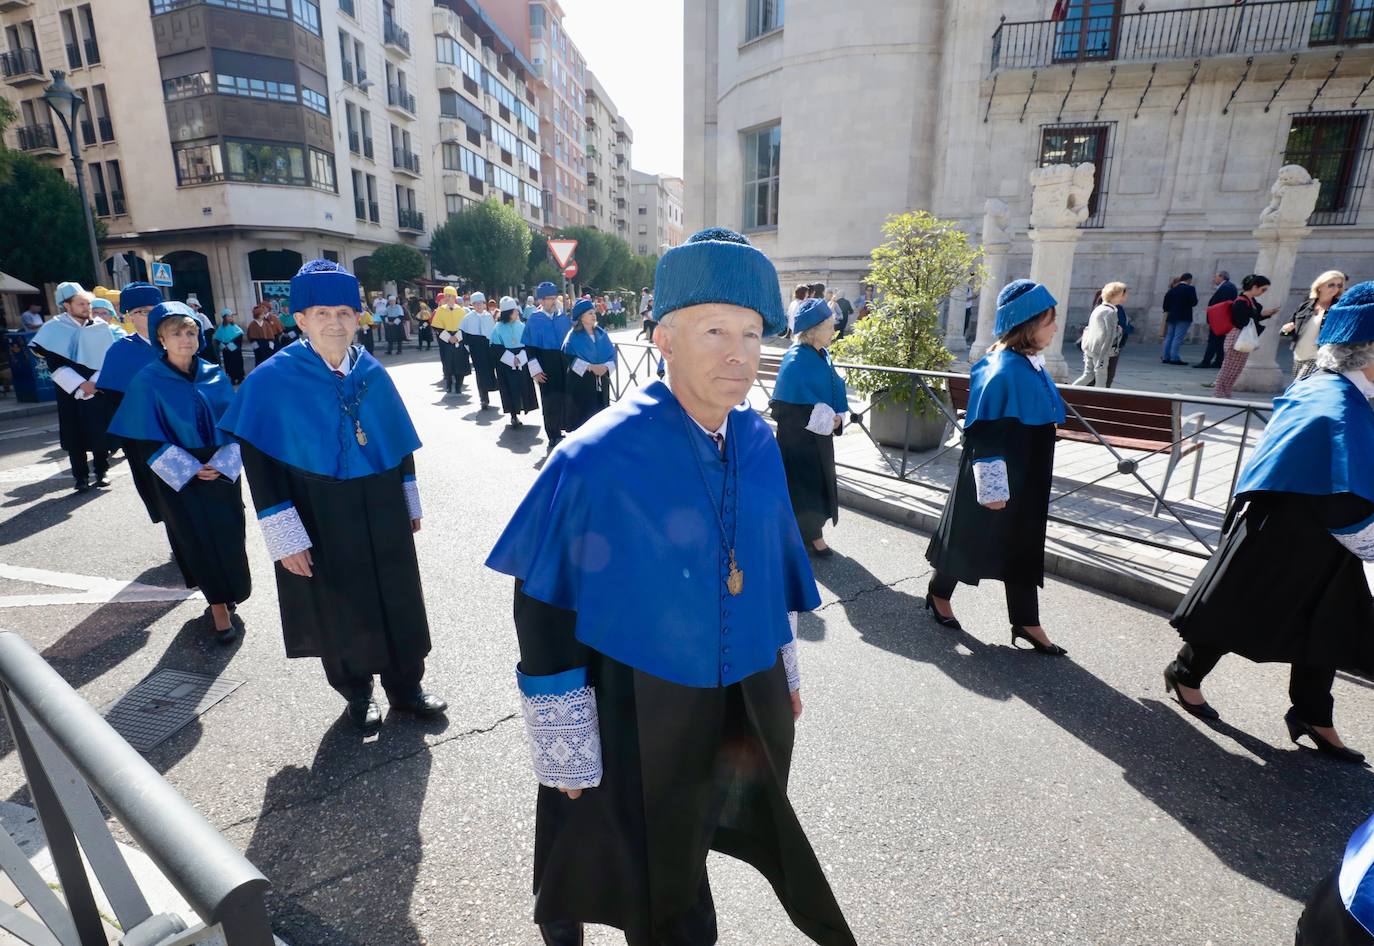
(88, 131)
(410, 220)
(1232, 29)
(404, 160)
(37, 137)
(393, 35)
(367, 148)
(21, 62)
(347, 68)
(398, 97)
(106, 129)
(70, 757)
(92, 51)
(74, 56)
(638, 363)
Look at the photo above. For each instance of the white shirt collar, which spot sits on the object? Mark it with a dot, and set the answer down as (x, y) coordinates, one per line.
(346, 366)
(1037, 361)
(713, 433)
(1358, 379)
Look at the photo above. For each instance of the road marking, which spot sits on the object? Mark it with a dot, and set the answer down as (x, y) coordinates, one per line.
(84, 589)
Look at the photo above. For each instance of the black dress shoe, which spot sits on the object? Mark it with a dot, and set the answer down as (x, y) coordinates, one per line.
(1296, 728)
(365, 714)
(940, 619)
(1019, 633)
(826, 552)
(102, 481)
(82, 486)
(228, 635)
(1201, 710)
(561, 934)
(423, 705)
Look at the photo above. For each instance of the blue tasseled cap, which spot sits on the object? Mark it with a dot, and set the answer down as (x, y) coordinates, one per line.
(1351, 320)
(1020, 301)
(583, 305)
(812, 313)
(544, 290)
(718, 265)
(165, 310)
(66, 290)
(138, 294)
(323, 282)
(104, 305)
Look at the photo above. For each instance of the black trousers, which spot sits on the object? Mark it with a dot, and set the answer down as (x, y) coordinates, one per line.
(401, 681)
(1023, 601)
(1308, 687)
(1215, 352)
(81, 469)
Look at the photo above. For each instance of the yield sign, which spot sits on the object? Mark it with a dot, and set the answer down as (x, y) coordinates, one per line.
(562, 251)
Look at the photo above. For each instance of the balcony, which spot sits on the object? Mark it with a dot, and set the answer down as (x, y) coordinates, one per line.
(21, 66)
(591, 178)
(38, 138)
(374, 212)
(1233, 29)
(394, 36)
(354, 142)
(106, 129)
(117, 204)
(412, 221)
(592, 204)
(102, 205)
(359, 208)
(367, 148)
(6, 5)
(74, 56)
(348, 72)
(398, 98)
(87, 132)
(92, 52)
(592, 153)
(407, 162)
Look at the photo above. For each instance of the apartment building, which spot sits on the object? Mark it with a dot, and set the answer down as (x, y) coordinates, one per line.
(561, 75)
(657, 222)
(608, 145)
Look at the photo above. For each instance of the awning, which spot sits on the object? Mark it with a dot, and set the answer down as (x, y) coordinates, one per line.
(9, 284)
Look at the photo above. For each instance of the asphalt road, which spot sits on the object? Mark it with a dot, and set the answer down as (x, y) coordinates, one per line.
(957, 791)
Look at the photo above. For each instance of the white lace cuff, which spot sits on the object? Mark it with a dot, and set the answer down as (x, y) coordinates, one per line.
(822, 420)
(174, 465)
(535, 369)
(579, 367)
(445, 336)
(789, 657)
(283, 530)
(508, 359)
(67, 378)
(562, 725)
(990, 480)
(228, 459)
(1358, 538)
(412, 491)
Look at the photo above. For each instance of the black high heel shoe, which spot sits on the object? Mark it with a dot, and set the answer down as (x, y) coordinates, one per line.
(1201, 710)
(1296, 728)
(1050, 650)
(940, 619)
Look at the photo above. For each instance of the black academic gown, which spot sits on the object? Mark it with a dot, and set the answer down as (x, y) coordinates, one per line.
(973, 542)
(584, 397)
(81, 423)
(515, 384)
(553, 393)
(139, 472)
(364, 605)
(1279, 588)
(483, 361)
(205, 527)
(809, 462)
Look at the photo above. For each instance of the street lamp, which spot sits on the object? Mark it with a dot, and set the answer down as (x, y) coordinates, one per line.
(66, 104)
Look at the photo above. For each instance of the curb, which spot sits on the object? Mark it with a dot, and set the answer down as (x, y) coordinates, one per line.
(1061, 559)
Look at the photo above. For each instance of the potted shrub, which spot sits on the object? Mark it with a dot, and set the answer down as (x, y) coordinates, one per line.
(922, 261)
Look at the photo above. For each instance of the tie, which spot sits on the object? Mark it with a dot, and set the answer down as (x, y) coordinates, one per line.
(720, 441)
(338, 373)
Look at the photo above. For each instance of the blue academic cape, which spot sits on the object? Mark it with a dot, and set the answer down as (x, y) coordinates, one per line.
(1356, 879)
(126, 358)
(644, 568)
(164, 406)
(294, 409)
(1319, 442)
(805, 376)
(85, 345)
(594, 349)
(547, 331)
(1004, 384)
(228, 335)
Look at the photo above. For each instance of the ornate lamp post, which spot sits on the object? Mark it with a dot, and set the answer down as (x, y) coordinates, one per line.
(66, 104)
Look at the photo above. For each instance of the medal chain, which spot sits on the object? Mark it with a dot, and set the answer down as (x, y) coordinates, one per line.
(727, 540)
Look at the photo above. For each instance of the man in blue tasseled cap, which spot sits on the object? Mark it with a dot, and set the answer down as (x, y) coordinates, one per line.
(658, 669)
(126, 358)
(545, 331)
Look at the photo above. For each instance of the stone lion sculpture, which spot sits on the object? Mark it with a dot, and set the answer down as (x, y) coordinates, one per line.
(996, 222)
(1291, 200)
(1059, 195)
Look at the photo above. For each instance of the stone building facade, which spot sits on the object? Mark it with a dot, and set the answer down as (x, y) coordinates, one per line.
(658, 213)
(808, 138)
(608, 148)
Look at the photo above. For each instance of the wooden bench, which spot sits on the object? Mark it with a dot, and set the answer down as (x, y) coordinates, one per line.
(1127, 421)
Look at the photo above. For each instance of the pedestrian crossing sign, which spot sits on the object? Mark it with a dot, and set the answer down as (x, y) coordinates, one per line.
(162, 274)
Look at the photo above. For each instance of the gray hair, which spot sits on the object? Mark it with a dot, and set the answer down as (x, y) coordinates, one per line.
(1224, 274)
(1344, 358)
(806, 337)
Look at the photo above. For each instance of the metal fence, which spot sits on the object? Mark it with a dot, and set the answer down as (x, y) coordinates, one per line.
(638, 363)
(68, 752)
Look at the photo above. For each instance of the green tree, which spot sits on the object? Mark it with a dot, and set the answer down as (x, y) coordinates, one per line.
(922, 261)
(592, 249)
(397, 263)
(487, 243)
(620, 268)
(42, 223)
(643, 273)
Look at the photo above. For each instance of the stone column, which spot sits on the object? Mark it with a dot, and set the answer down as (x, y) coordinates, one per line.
(1059, 203)
(955, 343)
(1282, 227)
(996, 241)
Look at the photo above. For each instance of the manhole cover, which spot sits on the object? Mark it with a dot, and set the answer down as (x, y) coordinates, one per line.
(164, 703)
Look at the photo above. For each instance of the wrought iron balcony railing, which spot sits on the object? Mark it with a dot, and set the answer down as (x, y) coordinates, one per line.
(37, 138)
(404, 160)
(21, 62)
(410, 220)
(393, 35)
(1233, 29)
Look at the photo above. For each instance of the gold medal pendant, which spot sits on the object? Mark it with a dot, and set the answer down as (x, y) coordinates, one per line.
(735, 583)
(358, 432)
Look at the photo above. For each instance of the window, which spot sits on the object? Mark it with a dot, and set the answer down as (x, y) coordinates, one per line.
(1342, 21)
(312, 99)
(351, 119)
(504, 137)
(1076, 144)
(1331, 146)
(762, 158)
(451, 52)
(88, 40)
(1088, 31)
(643, 211)
(359, 196)
(322, 171)
(70, 39)
(255, 88)
(198, 164)
(373, 211)
(306, 13)
(762, 16)
(98, 195)
(360, 60)
(504, 180)
(532, 194)
(530, 155)
(116, 187)
(455, 204)
(265, 162)
(643, 249)
(453, 105)
(458, 158)
(185, 87)
(643, 229)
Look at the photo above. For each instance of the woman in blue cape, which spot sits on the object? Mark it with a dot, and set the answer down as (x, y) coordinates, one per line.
(329, 451)
(1287, 583)
(507, 353)
(809, 403)
(228, 341)
(658, 669)
(168, 421)
(590, 357)
(994, 521)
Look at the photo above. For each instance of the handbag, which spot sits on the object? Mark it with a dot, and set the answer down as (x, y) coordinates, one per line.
(1248, 340)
